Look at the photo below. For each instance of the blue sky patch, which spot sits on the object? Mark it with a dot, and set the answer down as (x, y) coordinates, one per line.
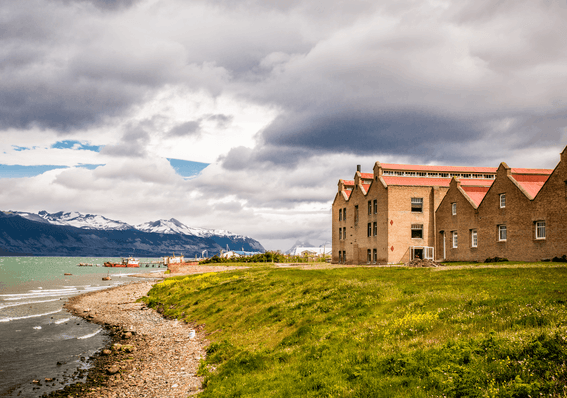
(89, 166)
(19, 171)
(21, 148)
(74, 144)
(187, 168)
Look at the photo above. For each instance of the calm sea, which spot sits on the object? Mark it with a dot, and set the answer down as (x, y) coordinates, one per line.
(38, 338)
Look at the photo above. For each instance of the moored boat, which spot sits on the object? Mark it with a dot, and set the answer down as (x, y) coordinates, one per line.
(129, 262)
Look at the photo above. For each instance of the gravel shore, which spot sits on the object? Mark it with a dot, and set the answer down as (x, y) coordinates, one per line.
(151, 356)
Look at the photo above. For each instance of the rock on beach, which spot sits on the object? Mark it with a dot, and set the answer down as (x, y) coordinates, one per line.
(150, 354)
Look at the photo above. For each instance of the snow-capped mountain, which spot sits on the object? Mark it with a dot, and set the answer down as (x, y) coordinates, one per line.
(221, 236)
(85, 221)
(173, 226)
(298, 244)
(161, 236)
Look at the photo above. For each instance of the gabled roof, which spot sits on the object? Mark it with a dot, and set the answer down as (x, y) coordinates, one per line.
(448, 169)
(348, 182)
(476, 194)
(442, 182)
(347, 193)
(531, 183)
(367, 176)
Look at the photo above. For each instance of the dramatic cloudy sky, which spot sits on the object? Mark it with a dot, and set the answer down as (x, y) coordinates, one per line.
(244, 114)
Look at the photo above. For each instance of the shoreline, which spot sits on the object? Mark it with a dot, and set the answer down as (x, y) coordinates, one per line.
(148, 356)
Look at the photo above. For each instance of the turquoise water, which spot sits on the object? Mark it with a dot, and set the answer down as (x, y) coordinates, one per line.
(38, 337)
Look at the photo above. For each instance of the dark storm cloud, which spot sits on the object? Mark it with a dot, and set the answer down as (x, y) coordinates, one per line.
(191, 128)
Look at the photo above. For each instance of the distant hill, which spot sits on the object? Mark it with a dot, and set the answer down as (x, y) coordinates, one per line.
(76, 234)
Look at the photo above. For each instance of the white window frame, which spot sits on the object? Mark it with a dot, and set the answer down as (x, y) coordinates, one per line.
(474, 238)
(417, 227)
(454, 208)
(502, 200)
(417, 201)
(540, 230)
(455, 239)
(502, 233)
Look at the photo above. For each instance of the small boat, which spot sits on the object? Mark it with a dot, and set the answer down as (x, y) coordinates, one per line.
(129, 262)
(66, 273)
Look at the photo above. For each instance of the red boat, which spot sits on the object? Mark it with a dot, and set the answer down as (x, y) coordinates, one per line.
(129, 262)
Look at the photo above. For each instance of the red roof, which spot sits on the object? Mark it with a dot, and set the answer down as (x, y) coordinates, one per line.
(448, 169)
(531, 171)
(531, 183)
(348, 182)
(347, 193)
(365, 186)
(475, 193)
(442, 182)
(367, 175)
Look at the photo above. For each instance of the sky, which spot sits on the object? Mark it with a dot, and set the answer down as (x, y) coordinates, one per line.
(244, 114)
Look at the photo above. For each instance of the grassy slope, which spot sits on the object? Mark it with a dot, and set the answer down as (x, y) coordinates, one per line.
(364, 332)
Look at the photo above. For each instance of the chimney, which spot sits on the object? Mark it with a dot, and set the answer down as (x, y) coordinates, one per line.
(358, 168)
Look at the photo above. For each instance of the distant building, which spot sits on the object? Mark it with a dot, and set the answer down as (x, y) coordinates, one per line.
(400, 212)
(174, 259)
(238, 253)
(312, 251)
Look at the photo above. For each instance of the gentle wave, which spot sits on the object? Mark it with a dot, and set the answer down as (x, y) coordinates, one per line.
(37, 295)
(26, 303)
(34, 292)
(61, 321)
(29, 316)
(90, 335)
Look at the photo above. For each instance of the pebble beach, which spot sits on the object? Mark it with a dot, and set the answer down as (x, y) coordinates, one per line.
(150, 356)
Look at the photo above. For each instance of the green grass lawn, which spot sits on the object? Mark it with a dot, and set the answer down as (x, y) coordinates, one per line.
(378, 332)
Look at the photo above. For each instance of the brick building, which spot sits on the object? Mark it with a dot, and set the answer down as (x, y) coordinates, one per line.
(522, 216)
(400, 212)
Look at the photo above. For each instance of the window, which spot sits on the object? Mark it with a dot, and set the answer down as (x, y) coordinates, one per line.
(344, 214)
(355, 214)
(375, 206)
(369, 231)
(340, 257)
(369, 207)
(474, 238)
(375, 226)
(540, 230)
(416, 205)
(502, 233)
(454, 209)
(374, 256)
(502, 200)
(368, 256)
(455, 240)
(340, 214)
(417, 231)
(340, 233)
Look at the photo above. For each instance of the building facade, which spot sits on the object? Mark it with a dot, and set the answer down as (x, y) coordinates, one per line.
(522, 216)
(400, 212)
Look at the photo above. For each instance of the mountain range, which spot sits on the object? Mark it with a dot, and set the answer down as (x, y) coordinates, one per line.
(77, 234)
